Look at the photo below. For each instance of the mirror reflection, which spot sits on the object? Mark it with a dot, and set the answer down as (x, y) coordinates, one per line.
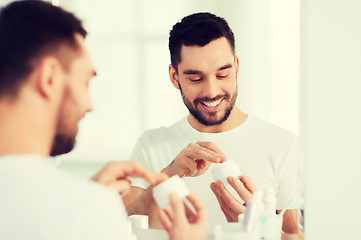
(129, 42)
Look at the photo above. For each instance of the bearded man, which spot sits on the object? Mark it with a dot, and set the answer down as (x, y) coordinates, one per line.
(204, 67)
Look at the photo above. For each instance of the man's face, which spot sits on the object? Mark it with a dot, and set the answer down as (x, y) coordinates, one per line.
(207, 79)
(76, 100)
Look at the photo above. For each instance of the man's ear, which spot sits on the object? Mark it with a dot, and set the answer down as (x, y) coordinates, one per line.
(236, 65)
(173, 76)
(48, 76)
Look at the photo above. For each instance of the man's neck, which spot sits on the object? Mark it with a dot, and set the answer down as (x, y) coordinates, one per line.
(236, 118)
(23, 130)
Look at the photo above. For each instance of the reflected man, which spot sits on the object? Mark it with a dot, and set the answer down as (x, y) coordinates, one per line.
(204, 68)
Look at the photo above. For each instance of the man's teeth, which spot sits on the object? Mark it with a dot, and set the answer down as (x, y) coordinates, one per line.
(212, 104)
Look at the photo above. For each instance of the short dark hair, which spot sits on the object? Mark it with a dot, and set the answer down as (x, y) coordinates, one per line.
(30, 30)
(197, 29)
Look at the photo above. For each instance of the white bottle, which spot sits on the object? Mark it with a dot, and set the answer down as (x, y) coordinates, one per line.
(271, 222)
(254, 211)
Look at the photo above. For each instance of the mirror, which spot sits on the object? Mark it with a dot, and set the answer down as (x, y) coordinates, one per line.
(128, 41)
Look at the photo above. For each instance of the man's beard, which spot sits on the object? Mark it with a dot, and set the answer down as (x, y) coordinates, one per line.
(62, 144)
(63, 141)
(198, 114)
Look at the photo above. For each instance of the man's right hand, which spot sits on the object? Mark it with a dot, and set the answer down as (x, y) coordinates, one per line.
(195, 159)
(230, 206)
(181, 223)
(115, 174)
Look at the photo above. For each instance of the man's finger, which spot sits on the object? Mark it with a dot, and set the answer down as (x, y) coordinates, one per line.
(198, 206)
(247, 182)
(165, 220)
(190, 214)
(229, 200)
(178, 208)
(159, 177)
(198, 152)
(226, 210)
(190, 167)
(213, 147)
(202, 167)
(241, 190)
(134, 169)
(122, 186)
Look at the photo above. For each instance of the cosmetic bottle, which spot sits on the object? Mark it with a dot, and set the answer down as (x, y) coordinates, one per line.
(271, 222)
(254, 211)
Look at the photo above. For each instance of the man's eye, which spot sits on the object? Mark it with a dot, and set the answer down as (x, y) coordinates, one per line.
(222, 76)
(195, 80)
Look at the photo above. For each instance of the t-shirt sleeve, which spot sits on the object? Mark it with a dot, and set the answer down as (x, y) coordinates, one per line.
(289, 187)
(139, 154)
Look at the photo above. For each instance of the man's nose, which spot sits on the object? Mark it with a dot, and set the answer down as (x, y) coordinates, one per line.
(210, 88)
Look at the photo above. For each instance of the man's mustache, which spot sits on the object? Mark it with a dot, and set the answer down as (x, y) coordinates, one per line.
(207, 99)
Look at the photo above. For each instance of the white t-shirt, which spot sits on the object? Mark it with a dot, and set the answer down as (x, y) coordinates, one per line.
(40, 202)
(263, 151)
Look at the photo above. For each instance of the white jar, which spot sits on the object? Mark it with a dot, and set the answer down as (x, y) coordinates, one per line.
(162, 191)
(223, 170)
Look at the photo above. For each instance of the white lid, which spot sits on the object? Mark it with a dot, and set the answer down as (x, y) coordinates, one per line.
(174, 184)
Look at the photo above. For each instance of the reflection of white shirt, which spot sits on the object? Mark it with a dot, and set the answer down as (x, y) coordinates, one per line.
(41, 202)
(263, 151)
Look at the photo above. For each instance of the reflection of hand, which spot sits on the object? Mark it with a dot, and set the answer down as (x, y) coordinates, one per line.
(195, 159)
(115, 174)
(229, 205)
(183, 224)
(292, 236)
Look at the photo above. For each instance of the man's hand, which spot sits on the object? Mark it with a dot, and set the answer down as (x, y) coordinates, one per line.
(183, 224)
(115, 174)
(195, 160)
(229, 205)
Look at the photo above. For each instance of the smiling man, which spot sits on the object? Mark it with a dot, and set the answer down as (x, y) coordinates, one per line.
(204, 68)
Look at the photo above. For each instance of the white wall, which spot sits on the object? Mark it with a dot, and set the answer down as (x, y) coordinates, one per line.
(331, 109)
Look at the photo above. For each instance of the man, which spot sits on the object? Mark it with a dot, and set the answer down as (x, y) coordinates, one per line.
(204, 68)
(45, 71)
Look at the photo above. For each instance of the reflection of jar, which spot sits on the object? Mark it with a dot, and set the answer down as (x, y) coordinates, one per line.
(223, 170)
(162, 190)
(139, 221)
